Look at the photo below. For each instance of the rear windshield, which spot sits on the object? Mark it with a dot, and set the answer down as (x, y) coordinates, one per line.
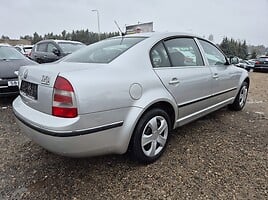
(68, 47)
(263, 59)
(104, 51)
(10, 53)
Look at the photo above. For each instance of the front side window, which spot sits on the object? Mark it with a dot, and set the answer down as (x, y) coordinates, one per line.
(50, 47)
(183, 52)
(104, 51)
(213, 54)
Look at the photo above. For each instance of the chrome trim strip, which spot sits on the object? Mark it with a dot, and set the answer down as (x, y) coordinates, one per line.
(71, 133)
(3, 87)
(206, 97)
(201, 111)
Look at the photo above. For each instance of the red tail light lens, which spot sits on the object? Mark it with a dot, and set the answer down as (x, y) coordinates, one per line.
(257, 62)
(64, 102)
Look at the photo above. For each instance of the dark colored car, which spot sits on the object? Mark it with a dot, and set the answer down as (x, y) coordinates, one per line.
(51, 50)
(10, 62)
(261, 64)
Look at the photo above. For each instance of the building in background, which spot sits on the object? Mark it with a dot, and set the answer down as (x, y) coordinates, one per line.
(15, 42)
(139, 28)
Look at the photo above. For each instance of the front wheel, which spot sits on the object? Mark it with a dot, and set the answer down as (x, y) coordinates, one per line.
(241, 98)
(150, 136)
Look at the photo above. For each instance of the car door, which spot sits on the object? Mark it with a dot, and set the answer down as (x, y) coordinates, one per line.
(224, 78)
(179, 65)
(51, 56)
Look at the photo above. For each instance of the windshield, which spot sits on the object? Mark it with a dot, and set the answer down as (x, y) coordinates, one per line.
(10, 53)
(68, 47)
(104, 51)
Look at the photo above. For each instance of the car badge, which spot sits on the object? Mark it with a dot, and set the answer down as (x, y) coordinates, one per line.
(45, 80)
(25, 75)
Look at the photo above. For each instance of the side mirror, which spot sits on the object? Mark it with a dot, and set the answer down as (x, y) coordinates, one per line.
(56, 52)
(234, 60)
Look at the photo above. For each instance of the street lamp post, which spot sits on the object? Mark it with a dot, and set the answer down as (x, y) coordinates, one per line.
(98, 16)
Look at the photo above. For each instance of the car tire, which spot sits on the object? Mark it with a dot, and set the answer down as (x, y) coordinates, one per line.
(241, 98)
(150, 136)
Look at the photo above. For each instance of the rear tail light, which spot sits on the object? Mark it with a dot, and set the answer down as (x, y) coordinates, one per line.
(257, 62)
(64, 102)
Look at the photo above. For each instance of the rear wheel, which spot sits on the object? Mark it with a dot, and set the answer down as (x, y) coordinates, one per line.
(150, 136)
(241, 98)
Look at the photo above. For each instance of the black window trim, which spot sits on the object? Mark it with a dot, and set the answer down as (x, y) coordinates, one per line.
(226, 59)
(171, 64)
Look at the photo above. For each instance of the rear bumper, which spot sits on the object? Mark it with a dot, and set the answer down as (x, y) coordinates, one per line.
(6, 90)
(263, 68)
(78, 137)
(7, 93)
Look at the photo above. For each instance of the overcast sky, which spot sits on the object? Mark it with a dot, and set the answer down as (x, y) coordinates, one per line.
(240, 19)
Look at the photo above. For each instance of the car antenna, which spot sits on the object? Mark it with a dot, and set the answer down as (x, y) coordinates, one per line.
(122, 33)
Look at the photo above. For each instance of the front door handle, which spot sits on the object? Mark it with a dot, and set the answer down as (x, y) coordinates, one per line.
(174, 81)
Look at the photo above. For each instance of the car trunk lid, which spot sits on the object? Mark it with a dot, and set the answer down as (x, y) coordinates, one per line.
(37, 83)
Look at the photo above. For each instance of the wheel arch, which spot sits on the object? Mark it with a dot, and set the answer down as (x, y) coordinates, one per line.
(165, 105)
(247, 80)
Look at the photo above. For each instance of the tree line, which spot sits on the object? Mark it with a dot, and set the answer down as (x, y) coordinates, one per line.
(230, 46)
(233, 47)
(85, 36)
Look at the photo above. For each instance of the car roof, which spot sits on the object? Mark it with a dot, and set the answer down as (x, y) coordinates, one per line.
(162, 35)
(22, 45)
(60, 41)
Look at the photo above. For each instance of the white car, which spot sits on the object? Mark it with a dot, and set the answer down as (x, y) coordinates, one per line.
(24, 49)
(126, 93)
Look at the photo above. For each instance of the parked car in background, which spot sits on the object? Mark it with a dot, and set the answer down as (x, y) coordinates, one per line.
(24, 49)
(10, 62)
(245, 65)
(126, 93)
(261, 64)
(47, 51)
(241, 63)
(252, 62)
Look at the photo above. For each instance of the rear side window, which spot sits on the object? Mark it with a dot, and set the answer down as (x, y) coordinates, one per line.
(183, 52)
(41, 47)
(159, 57)
(104, 51)
(213, 54)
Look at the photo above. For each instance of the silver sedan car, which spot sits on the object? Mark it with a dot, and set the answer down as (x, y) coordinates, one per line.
(126, 94)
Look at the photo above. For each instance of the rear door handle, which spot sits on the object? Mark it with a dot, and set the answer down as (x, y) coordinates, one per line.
(174, 81)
